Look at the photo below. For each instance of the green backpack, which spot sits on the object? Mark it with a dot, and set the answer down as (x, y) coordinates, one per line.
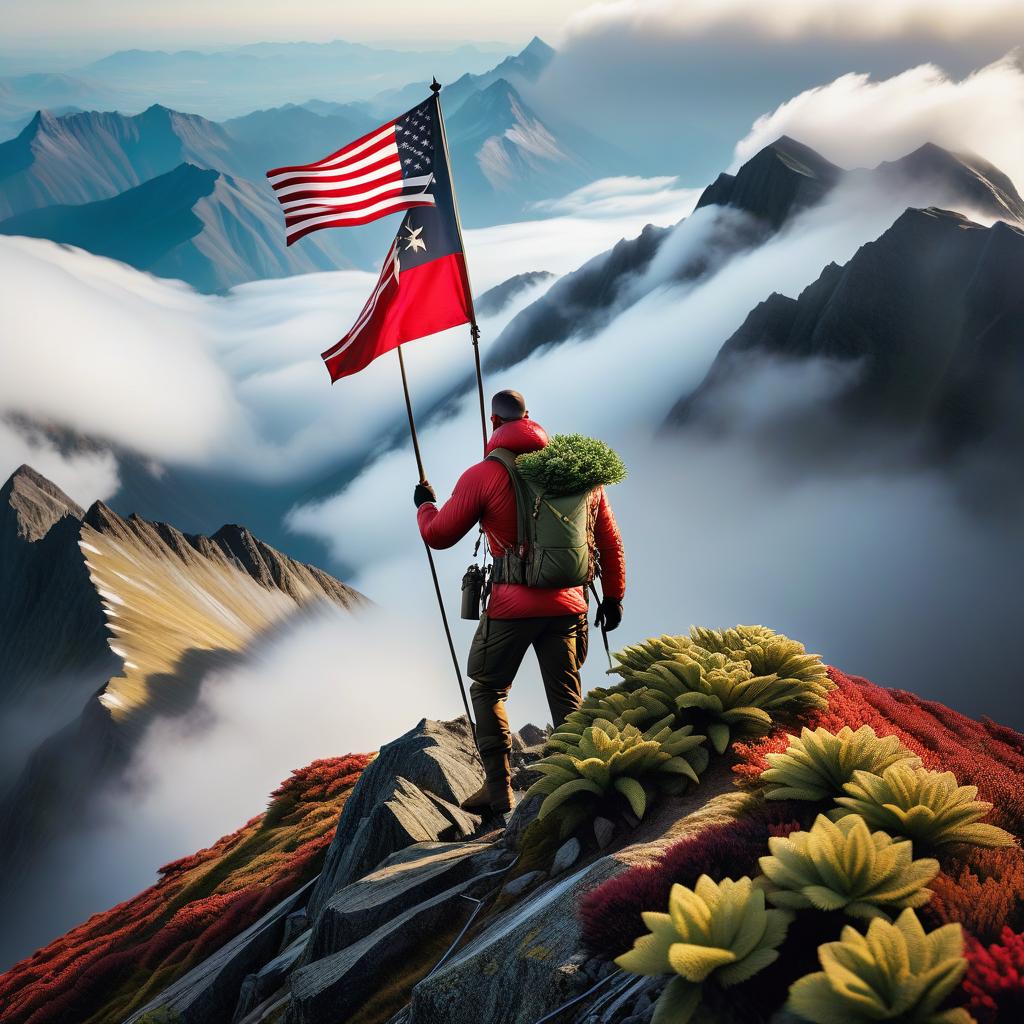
(554, 535)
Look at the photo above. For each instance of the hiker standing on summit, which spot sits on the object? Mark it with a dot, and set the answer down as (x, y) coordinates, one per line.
(525, 609)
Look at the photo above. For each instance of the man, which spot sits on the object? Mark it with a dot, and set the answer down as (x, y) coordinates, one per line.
(552, 621)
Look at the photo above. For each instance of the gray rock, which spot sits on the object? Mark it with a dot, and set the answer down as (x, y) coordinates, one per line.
(567, 855)
(533, 734)
(295, 924)
(410, 793)
(209, 992)
(333, 988)
(522, 883)
(520, 820)
(603, 832)
(404, 880)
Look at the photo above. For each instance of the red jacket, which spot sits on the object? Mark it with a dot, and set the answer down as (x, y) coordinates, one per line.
(484, 495)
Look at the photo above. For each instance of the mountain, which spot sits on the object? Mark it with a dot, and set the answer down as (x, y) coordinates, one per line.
(771, 188)
(778, 181)
(230, 81)
(421, 913)
(207, 228)
(175, 607)
(505, 156)
(83, 157)
(53, 639)
(929, 315)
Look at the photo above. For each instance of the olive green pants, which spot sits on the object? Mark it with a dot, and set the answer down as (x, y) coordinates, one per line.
(495, 655)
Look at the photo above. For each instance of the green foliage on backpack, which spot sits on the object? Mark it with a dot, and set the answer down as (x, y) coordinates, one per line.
(817, 764)
(896, 972)
(718, 930)
(570, 464)
(845, 866)
(923, 806)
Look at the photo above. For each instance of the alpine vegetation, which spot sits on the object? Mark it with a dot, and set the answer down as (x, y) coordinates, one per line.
(612, 759)
(844, 866)
(818, 764)
(895, 972)
(927, 807)
(718, 930)
(570, 464)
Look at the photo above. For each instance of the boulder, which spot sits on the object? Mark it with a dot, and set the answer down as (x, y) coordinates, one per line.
(405, 880)
(333, 988)
(409, 794)
(567, 855)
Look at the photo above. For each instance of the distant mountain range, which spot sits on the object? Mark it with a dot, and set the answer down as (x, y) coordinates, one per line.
(181, 196)
(169, 608)
(772, 187)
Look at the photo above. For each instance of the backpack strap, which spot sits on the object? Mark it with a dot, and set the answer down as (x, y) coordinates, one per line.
(502, 571)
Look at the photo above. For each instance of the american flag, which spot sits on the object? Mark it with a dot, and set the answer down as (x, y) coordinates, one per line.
(388, 170)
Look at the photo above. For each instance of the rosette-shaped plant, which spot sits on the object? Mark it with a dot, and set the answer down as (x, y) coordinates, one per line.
(609, 758)
(723, 641)
(844, 866)
(717, 930)
(640, 708)
(640, 657)
(896, 972)
(927, 807)
(817, 764)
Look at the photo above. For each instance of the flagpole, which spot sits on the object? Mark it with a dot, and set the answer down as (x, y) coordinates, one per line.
(430, 554)
(474, 330)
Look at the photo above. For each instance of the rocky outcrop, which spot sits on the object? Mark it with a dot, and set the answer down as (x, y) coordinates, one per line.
(409, 794)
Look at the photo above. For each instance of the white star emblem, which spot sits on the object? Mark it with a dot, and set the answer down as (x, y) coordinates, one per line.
(413, 240)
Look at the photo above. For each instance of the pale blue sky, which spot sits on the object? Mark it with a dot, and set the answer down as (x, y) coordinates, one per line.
(115, 24)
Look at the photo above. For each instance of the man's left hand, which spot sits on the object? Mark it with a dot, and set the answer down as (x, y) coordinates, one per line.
(423, 493)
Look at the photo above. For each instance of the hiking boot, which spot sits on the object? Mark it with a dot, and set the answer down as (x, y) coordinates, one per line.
(495, 795)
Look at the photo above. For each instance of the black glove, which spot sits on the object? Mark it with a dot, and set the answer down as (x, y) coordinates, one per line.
(423, 493)
(609, 614)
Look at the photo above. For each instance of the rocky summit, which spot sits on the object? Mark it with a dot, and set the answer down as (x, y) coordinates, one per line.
(421, 913)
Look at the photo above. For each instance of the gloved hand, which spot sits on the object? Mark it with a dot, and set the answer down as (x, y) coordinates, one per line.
(609, 614)
(423, 493)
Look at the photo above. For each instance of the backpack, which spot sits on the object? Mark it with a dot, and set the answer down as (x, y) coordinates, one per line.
(554, 535)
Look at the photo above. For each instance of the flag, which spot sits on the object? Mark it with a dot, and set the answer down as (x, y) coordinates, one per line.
(388, 170)
(423, 286)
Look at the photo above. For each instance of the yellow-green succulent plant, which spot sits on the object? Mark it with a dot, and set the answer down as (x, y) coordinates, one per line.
(611, 758)
(717, 930)
(817, 763)
(926, 807)
(639, 707)
(896, 972)
(845, 866)
(640, 657)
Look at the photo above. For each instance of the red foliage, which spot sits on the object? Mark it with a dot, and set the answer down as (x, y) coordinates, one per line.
(199, 903)
(984, 892)
(610, 913)
(994, 983)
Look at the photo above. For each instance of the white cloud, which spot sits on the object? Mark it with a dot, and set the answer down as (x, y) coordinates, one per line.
(235, 382)
(614, 197)
(788, 19)
(855, 121)
(83, 476)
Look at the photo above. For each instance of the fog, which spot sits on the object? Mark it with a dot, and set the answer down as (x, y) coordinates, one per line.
(234, 383)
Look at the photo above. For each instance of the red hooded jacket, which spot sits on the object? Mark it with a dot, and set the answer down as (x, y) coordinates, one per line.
(484, 495)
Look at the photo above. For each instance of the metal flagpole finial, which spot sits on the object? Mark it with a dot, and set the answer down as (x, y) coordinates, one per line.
(435, 85)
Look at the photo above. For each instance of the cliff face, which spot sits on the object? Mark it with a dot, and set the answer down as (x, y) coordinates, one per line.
(930, 315)
(135, 614)
(422, 914)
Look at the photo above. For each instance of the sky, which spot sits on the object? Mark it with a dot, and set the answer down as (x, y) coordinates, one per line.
(113, 24)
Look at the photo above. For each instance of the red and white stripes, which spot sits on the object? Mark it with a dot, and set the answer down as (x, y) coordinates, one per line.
(355, 185)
